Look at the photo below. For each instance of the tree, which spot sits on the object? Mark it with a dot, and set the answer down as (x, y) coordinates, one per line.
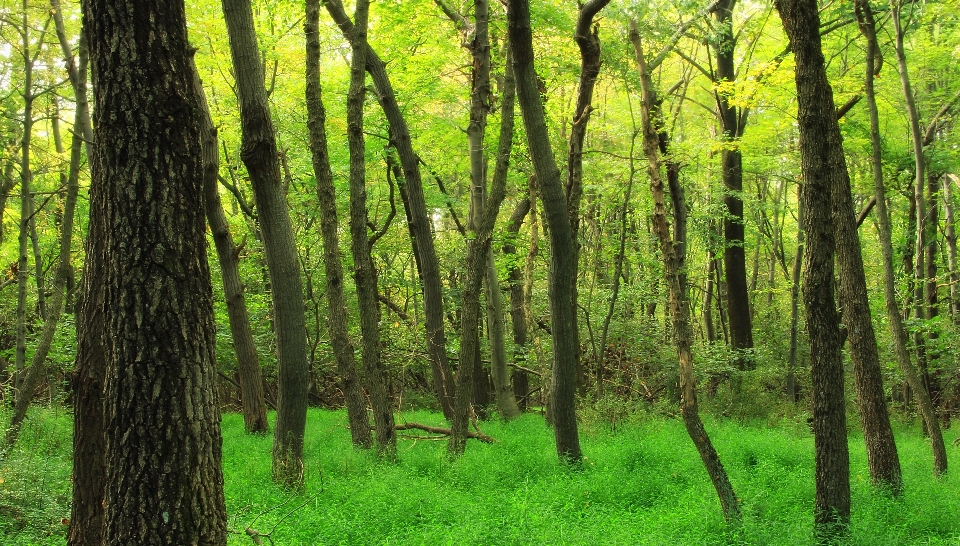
(259, 154)
(897, 329)
(365, 275)
(329, 225)
(163, 482)
(820, 163)
(566, 343)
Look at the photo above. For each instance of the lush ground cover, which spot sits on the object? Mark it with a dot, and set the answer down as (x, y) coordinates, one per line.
(642, 484)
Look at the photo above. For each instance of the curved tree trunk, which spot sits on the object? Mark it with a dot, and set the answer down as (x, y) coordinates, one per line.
(819, 137)
(329, 226)
(259, 154)
(164, 483)
(566, 346)
(897, 330)
(673, 251)
(364, 273)
(248, 363)
(418, 220)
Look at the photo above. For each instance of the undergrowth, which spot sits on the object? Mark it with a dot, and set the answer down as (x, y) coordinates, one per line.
(641, 483)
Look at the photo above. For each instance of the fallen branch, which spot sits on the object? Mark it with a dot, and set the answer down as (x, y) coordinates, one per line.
(523, 369)
(444, 431)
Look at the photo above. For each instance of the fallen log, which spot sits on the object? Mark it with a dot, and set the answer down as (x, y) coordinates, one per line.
(444, 431)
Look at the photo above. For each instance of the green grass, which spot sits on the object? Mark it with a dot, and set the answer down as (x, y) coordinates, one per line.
(642, 484)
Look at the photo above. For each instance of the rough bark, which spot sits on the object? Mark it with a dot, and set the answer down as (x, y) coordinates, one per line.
(364, 274)
(897, 329)
(337, 320)
(732, 120)
(673, 253)
(248, 362)
(164, 484)
(418, 220)
(562, 285)
(819, 134)
(259, 154)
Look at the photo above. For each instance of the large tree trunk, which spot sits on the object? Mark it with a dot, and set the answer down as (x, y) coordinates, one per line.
(164, 483)
(819, 135)
(419, 223)
(563, 282)
(337, 319)
(733, 120)
(248, 363)
(259, 154)
(673, 251)
(364, 274)
(897, 330)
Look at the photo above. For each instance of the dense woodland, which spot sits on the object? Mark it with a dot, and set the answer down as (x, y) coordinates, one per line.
(480, 208)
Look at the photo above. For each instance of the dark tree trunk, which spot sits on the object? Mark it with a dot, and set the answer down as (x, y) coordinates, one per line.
(164, 483)
(337, 319)
(566, 345)
(518, 317)
(248, 362)
(364, 274)
(733, 120)
(259, 154)
(819, 136)
(673, 252)
(419, 223)
(897, 329)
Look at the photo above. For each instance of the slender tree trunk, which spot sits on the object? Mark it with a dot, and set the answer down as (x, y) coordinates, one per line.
(819, 135)
(506, 397)
(259, 154)
(734, 256)
(566, 345)
(418, 220)
(950, 236)
(248, 362)
(64, 270)
(365, 275)
(337, 319)
(673, 250)
(164, 483)
(518, 318)
(897, 330)
(792, 392)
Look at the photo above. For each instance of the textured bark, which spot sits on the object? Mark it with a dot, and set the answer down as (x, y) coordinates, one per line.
(897, 330)
(164, 484)
(364, 274)
(259, 154)
(418, 220)
(733, 120)
(950, 237)
(566, 345)
(819, 135)
(86, 515)
(337, 320)
(248, 362)
(672, 250)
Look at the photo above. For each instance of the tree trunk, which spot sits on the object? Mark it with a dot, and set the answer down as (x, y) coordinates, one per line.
(950, 236)
(337, 319)
(792, 392)
(164, 483)
(259, 154)
(819, 136)
(897, 330)
(248, 363)
(734, 258)
(566, 345)
(64, 270)
(418, 220)
(673, 252)
(518, 317)
(364, 274)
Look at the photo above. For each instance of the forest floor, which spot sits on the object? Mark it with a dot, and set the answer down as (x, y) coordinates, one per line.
(642, 483)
